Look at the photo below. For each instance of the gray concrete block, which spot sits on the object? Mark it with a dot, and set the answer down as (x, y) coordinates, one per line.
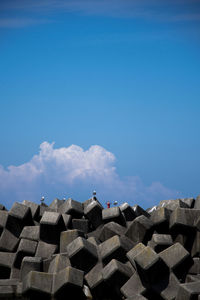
(8, 241)
(51, 225)
(197, 202)
(172, 204)
(160, 242)
(30, 233)
(149, 266)
(160, 218)
(18, 217)
(195, 251)
(133, 286)
(188, 201)
(96, 283)
(15, 273)
(3, 219)
(6, 262)
(55, 204)
(58, 263)
(134, 252)
(71, 207)
(139, 211)
(66, 237)
(37, 284)
(195, 268)
(115, 274)
(140, 230)
(110, 229)
(115, 247)
(30, 264)
(188, 291)
(25, 248)
(178, 259)
(7, 292)
(67, 221)
(83, 254)
(113, 214)
(192, 278)
(93, 212)
(128, 212)
(34, 209)
(81, 224)
(69, 281)
(45, 250)
(184, 219)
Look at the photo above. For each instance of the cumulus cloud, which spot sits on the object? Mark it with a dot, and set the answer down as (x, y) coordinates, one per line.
(75, 172)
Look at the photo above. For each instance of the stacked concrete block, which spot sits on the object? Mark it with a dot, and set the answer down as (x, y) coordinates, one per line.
(51, 225)
(113, 214)
(84, 251)
(83, 254)
(140, 230)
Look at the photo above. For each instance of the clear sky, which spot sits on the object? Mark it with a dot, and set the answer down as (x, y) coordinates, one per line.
(99, 95)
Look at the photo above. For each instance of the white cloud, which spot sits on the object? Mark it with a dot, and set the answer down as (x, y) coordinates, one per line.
(55, 172)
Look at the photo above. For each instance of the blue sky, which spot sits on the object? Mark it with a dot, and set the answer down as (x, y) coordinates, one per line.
(114, 85)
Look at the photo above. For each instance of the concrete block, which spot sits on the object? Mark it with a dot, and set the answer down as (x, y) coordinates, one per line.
(30, 233)
(128, 212)
(133, 286)
(96, 283)
(67, 221)
(42, 208)
(8, 241)
(188, 291)
(134, 252)
(160, 218)
(140, 230)
(149, 266)
(178, 259)
(113, 214)
(58, 263)
(7, 292)
(25, 248)
(55, 204)
(3, 219)
(197, 202)
(195, 251)
(66, 237)
(18, 217)
(160, 242)
(195, 268)
(51, 225)
(115, 274)
(110, 229)
(173, 204)
(34, 209)
(83, 254)
(6, 262)
(189, 202)
(45, 250)
(69, 281)
(184, 219)
(72, 207)
(115, 247)
(30, 264)
(37, 284)
(93, 212)
(81, 224)
(139, 211)
(192, 278)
